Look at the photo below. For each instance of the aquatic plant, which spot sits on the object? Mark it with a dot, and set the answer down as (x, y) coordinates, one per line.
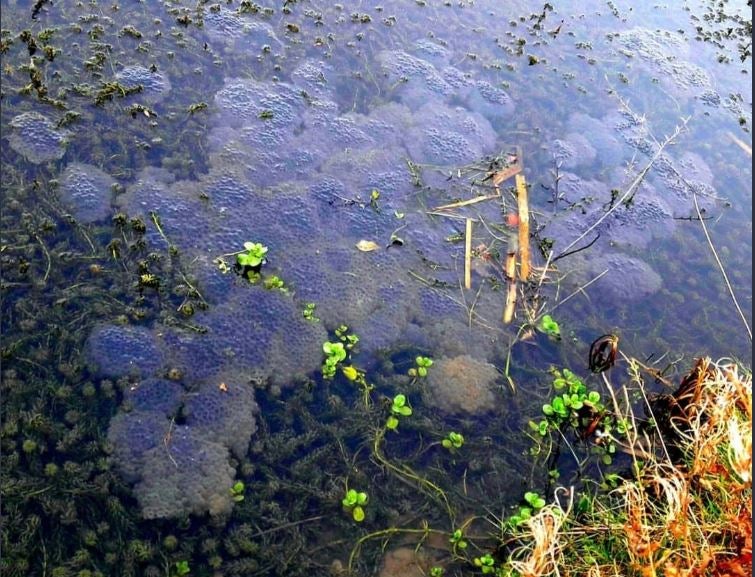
(453, 441)
(457, 540)
(237, 491)
(357, 376)
(549, 327)
(486, 563)
(181, 568)
(567, 407)
(374, 197)
(534, 503)
(399, 408)
(274, 282)
(422, 364)
(354, 502)
(350, 372)
(350, 340)
(575, 408)
(309, 312)
(335, 353)
(253, 255)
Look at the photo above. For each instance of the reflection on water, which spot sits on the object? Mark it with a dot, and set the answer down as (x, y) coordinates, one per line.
(143, 147)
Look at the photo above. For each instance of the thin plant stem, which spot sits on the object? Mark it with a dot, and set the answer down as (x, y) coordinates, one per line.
(720, 265)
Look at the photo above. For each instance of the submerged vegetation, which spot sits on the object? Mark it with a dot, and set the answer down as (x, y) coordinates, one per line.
(349, 408)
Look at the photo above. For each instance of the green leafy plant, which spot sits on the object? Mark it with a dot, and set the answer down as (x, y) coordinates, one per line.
(309, 312)
(453, 441)
(357, 377)
(534, 500)
(581, 410)
(457, 540)
(566, 408)
(349, 340)
(335, 353)
(534, 503)
(486, 563)
(542, 427)
(182, 568)
(354, 502)
(549, 327)
(421, 366)
(237, 491)
(521, 517)
(253, 255)
(399, 407)
(374, 197)
(274, 282)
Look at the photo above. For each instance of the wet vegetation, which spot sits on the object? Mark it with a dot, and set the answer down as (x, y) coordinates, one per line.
(342, 405)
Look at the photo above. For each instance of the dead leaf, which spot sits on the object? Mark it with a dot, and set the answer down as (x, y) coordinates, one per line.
(367, 245)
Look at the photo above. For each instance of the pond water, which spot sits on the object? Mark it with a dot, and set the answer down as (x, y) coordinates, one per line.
(146, 373)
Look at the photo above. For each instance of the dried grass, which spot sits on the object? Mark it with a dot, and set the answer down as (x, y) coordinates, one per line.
(686, 517)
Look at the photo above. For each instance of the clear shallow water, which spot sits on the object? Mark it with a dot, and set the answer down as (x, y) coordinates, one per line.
(271, 125)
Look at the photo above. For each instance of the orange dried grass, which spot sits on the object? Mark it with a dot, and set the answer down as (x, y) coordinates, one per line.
(668, 525)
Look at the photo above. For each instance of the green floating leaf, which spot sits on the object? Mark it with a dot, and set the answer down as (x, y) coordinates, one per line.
(254, 255)
(350, 499)
(399, 406)
(549, 326)
(534, 499)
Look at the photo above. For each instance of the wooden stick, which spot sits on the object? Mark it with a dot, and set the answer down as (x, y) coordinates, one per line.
(510, 269)
(468, 255)
(508, 312)
(506, 173)
(461, 203)
(524, 228)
